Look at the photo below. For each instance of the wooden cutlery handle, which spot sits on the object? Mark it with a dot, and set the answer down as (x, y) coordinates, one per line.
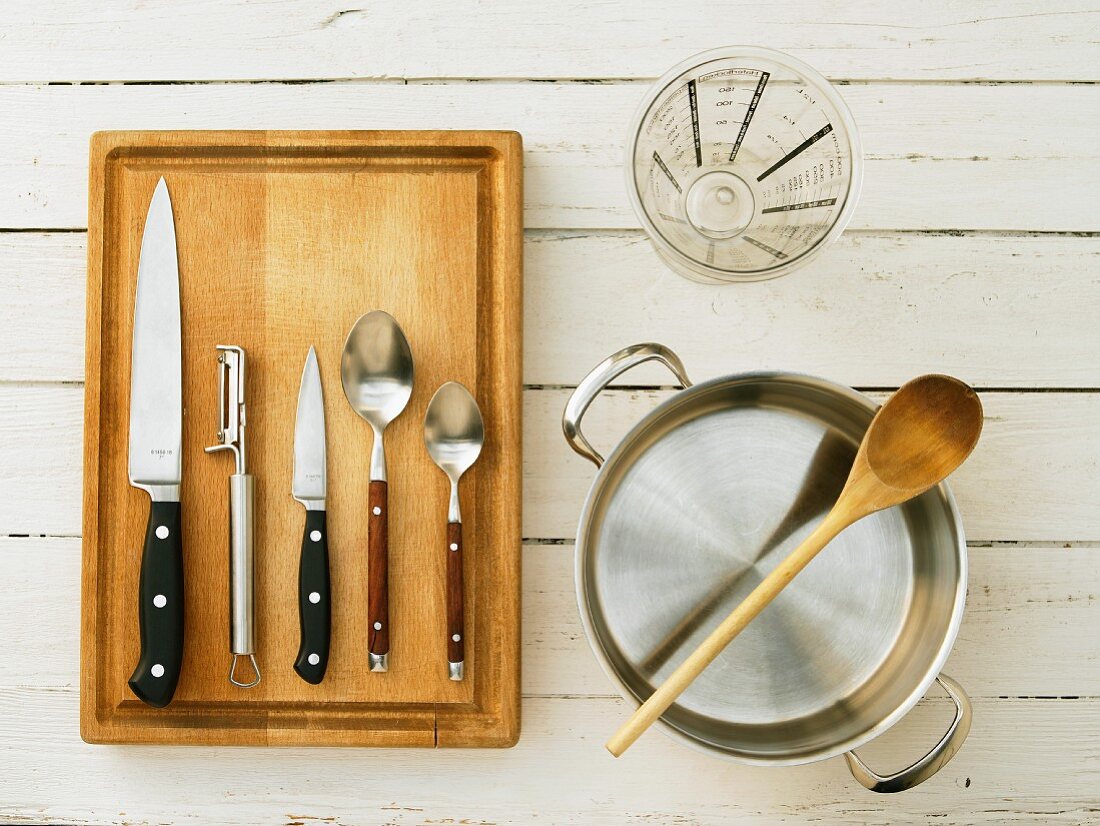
(456, 638)
(378, 611)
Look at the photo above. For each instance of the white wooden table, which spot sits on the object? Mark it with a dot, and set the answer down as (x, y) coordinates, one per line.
(974, 251)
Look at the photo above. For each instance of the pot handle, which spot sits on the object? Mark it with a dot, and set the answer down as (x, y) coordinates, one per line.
(596, 382)
(932, 762)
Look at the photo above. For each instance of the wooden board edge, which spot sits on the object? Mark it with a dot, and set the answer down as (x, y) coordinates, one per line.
(390, 730)
(495, 722)
(503, 141)
(92, 728)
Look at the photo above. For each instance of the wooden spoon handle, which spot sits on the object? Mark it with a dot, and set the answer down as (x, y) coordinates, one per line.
(721, 636)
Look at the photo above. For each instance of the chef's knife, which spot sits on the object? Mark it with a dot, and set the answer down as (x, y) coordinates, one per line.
(309, 488)
(156, 436)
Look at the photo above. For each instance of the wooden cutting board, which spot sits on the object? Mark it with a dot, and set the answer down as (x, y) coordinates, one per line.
(284, 240)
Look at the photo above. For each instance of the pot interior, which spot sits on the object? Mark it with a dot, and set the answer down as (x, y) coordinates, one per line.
(698, 504)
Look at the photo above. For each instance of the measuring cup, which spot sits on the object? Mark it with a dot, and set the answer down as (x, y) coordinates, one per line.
(743, 163)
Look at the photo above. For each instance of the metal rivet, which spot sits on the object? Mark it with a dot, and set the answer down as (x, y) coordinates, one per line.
(456, 637)
(314, 597)
(157, 670)
(160, 600)
(377, 511)
(315, 536)
(454, 546)
(378, 626)
(162, 532)
(314, 659)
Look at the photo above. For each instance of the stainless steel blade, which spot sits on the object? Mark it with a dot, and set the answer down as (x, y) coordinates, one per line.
(156, 368)
(310, 477)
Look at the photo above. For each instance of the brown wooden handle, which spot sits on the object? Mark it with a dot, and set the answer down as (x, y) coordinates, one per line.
(378, 610)
(456, 638)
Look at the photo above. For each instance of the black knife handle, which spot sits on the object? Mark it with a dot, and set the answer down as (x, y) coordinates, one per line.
(314, 610)
(160, 611)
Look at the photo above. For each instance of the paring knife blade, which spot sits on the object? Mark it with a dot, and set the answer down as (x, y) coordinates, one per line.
(308, 486)
(155, 452)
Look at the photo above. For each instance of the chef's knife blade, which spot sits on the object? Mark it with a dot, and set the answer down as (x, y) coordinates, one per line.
(155, 466)
(308, 486)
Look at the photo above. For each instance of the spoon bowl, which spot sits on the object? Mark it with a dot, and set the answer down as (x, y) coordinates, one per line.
(454, 431)
(377, 369)
(929, 428)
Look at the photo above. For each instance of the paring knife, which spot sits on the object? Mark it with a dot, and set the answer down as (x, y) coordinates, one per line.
(309, 487)
(155, 465)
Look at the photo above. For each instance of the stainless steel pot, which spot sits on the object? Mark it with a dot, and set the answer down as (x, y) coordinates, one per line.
(697, 504)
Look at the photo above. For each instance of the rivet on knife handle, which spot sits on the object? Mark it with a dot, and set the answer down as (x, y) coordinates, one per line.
(160, 613)
(231, 436)
(314, 617)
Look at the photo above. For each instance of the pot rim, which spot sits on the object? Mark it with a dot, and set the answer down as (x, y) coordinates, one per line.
(834, 750)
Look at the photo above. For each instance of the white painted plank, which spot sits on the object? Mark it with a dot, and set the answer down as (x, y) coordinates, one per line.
(991, 169)
(872, 312)
(1013, 311)
(1025, 760)
(42, 291)
(1007, 39)
(41, 443)
(1034, 477)
(1021, 598)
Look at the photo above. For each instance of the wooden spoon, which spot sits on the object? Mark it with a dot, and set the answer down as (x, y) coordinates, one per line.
(918, 437)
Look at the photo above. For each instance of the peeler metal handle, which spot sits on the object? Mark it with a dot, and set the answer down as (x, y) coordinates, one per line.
(242, 497)
(242, 618)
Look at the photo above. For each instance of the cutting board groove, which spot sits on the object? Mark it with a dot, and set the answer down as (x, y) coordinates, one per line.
(284, 239)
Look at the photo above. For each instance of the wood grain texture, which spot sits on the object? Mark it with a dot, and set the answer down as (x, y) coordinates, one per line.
(574, 135)
(297, 39)
(1004, 311)
(1026, 481)
(456, 634)
(378, 553)
(271, 243)
(1020, 637)
(1026, 761)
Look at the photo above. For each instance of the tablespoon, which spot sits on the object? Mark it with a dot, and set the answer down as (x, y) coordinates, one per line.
(918, 437)
(454, 433)
(377, 373)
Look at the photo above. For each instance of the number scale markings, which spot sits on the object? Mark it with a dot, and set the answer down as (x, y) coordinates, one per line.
(765, 247)
(693, 102)
(805, 205)
(664, 168)
(798, 150)
(748, 115)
